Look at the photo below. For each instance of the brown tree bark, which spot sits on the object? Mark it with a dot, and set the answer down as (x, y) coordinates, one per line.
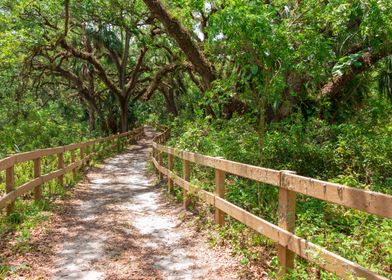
(334, 87)
(156, 80)
(124, 116)
(175, 29)
(168, 93)
(91, 119)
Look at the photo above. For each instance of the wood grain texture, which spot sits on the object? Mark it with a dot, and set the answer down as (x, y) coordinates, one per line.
(286, 221)
(37, 174)
(60, 165)
(170, 164)
(220, 191)
(12, 193)
(290, 184)
(186, 175)
(7, 162)
(265, 175)
(9, 186)
(366, 201)
(73, 159)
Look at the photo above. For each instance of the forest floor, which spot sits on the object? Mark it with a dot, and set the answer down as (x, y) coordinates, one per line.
(120, 225)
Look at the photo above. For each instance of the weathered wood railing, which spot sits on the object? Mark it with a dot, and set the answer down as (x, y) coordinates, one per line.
(289, 184)
(88, 150)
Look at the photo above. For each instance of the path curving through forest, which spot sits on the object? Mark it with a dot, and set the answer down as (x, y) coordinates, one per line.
(121, 226)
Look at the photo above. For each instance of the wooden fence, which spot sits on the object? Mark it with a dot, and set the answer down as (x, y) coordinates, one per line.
(289, 184)
(87, 149)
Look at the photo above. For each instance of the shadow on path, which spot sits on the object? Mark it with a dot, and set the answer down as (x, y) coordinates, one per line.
(119, 226)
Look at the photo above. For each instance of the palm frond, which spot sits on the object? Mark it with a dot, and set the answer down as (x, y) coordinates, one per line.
(385, 79)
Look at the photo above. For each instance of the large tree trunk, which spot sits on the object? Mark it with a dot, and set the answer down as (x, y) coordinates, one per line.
(91, 118)
(124, 117)
(184, 40)
(170, 102)
(193, 53)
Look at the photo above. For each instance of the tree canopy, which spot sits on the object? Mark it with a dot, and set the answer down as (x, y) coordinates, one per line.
(302, 85)
(273, 58)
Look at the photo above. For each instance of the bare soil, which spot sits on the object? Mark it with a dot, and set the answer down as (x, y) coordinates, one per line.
(120, 225)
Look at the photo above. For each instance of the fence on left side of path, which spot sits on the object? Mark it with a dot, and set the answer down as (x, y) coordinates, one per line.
(80, 154)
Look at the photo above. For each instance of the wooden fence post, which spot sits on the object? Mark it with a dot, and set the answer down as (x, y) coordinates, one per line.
(286, 220)
(159, 156)
(170, 164)
(220, 191)
(85, 150)
(186, 176)
(37, 174)
(88, 153)
(82, 155)
(73, 159)
(9, 186)
(61, 167)
(155, 156)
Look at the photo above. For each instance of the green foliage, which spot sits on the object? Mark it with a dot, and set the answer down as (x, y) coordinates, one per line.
(270, 58)
(356, 153)
(345, 63)
(51, 126)
(16, 228)
(385, 80)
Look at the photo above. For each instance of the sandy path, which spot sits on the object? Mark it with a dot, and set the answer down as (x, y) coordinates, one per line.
(121, 227)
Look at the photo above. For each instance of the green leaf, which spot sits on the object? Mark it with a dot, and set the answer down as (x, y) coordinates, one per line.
(254, 69)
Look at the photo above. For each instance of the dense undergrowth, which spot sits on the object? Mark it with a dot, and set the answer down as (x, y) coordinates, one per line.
(356, 153)
(295, 85)
(34, 127)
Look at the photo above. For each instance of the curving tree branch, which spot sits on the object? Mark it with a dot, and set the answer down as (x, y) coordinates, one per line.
(334, 87)
(184, 40)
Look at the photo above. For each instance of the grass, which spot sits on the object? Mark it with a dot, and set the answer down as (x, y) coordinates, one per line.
(357, 236)
(29, 215)
(16, 228)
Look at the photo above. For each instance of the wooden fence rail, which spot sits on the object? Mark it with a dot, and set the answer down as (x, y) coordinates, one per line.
(289, 184)
(87, 149)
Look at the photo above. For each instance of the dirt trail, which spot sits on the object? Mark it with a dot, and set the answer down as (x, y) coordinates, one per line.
(120, 226)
